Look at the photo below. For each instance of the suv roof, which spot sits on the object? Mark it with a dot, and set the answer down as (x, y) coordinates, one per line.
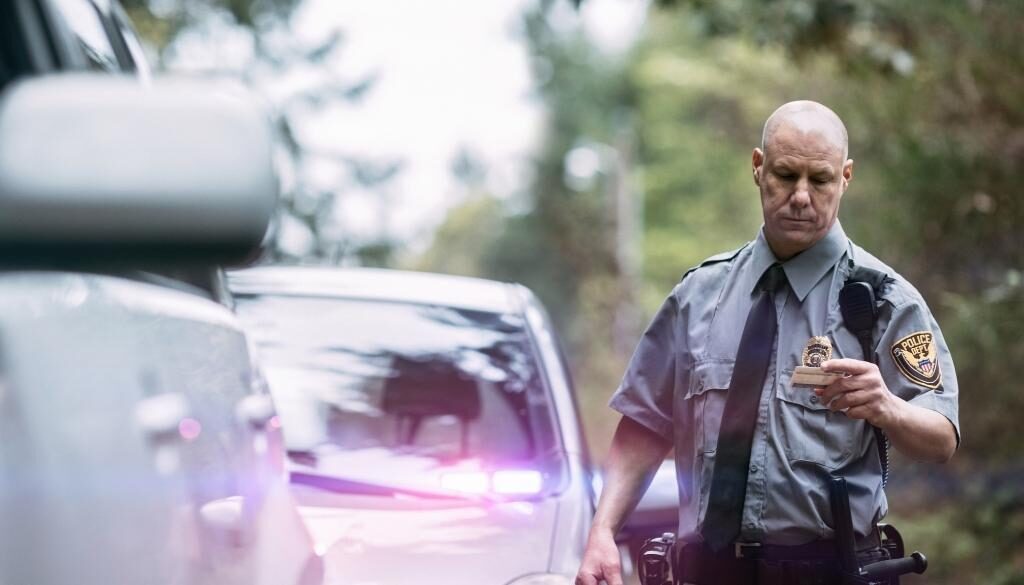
(379, 284)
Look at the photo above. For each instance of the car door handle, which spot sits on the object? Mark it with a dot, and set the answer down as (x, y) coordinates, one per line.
(165, 422)
(256, 411)
(162, 416)
(224, 520)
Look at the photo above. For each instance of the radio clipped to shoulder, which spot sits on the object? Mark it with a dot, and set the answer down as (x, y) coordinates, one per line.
(860, 311)
(858, 303)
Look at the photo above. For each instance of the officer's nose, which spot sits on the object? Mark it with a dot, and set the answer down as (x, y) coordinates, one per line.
(801, 196)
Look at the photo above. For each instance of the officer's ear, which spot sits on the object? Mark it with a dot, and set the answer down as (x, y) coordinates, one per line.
(757, 161)
(847, 173)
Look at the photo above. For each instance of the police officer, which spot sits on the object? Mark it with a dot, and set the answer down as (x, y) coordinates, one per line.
(711, 377)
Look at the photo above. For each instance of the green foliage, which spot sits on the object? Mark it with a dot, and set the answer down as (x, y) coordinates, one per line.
(937, 124)
(468, 229)
(697, 134)
(972, 538)
(984, 330)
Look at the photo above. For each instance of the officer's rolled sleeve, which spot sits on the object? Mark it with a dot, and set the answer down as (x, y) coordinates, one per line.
(907, 319)
(648, 386)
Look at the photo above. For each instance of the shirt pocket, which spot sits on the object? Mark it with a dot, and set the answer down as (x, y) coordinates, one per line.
(809, 430)
(709, 386)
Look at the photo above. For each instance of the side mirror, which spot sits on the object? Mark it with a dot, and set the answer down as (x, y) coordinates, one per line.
(98, 168)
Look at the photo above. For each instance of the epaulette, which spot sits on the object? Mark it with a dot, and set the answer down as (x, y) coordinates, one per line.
(716, 259)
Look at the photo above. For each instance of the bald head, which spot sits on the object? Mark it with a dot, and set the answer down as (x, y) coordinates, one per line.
(807, 117)
(802, 172)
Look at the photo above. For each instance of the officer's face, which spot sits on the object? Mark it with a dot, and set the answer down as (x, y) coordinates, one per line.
(802, 176)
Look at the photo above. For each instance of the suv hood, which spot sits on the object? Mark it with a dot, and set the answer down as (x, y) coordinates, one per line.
(375, 540)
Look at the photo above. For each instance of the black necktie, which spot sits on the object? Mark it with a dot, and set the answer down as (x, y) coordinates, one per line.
(729, 480)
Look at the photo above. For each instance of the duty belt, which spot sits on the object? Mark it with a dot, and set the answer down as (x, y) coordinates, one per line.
(765, 564)
(848, 559)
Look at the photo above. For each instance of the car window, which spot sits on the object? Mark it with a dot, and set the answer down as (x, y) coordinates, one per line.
(402, 380)
(136, 54)
(13, 60)
(85, 23)
(16, 58)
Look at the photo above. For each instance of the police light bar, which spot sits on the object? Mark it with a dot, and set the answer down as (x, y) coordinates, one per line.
(467, 482)
(506, 482)
(517, 482)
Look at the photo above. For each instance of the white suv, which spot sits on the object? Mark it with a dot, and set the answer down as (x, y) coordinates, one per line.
(430, 424)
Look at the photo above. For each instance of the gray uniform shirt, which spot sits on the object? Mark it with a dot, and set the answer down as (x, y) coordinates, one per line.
(677, 381)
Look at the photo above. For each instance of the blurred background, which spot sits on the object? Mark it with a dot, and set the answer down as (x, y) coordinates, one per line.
(594, 153)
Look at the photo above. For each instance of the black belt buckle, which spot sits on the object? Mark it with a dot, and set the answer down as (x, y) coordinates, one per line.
(746, 550)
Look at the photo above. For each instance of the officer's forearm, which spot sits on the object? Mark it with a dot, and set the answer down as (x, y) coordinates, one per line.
(921, 433)
(634, 457)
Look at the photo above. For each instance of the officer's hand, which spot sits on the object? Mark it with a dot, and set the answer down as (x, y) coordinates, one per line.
(862, 392)
(601, 561)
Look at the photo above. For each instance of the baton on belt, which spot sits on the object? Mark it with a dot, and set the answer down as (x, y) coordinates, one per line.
(881, 572)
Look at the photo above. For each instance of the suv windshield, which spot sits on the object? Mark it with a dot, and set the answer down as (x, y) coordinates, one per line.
(399, 389)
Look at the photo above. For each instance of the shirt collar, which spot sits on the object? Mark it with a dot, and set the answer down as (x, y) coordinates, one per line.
(806, 268)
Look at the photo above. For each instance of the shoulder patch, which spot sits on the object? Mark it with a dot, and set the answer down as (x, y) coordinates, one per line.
(915, 356)
(723, 257)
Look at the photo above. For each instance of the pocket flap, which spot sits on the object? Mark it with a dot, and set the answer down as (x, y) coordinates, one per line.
(709, 375)
(801, 395)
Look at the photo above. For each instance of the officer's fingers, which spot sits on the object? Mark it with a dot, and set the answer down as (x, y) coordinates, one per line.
(589, 573)
(847, 366)
(613, 574)
(837, 388)
(848, 384)
(850, 400)
(836, 403)
(826, 394)
(864, 412)
(870, 382)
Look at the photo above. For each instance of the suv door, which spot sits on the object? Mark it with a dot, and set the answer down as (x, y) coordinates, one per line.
(137, 443)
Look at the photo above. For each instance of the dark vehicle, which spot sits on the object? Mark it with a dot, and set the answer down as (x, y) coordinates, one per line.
(137, 442)
(430, 424)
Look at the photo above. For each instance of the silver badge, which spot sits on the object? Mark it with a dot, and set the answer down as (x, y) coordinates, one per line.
(816, 351)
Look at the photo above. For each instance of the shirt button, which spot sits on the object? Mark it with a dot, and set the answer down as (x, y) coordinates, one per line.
(813, 399)
(753, 469)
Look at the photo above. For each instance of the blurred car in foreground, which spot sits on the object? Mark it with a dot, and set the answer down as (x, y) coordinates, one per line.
(430, 424)
(136, 440)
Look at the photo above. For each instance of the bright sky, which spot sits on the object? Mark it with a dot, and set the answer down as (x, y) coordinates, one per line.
(452, 74)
